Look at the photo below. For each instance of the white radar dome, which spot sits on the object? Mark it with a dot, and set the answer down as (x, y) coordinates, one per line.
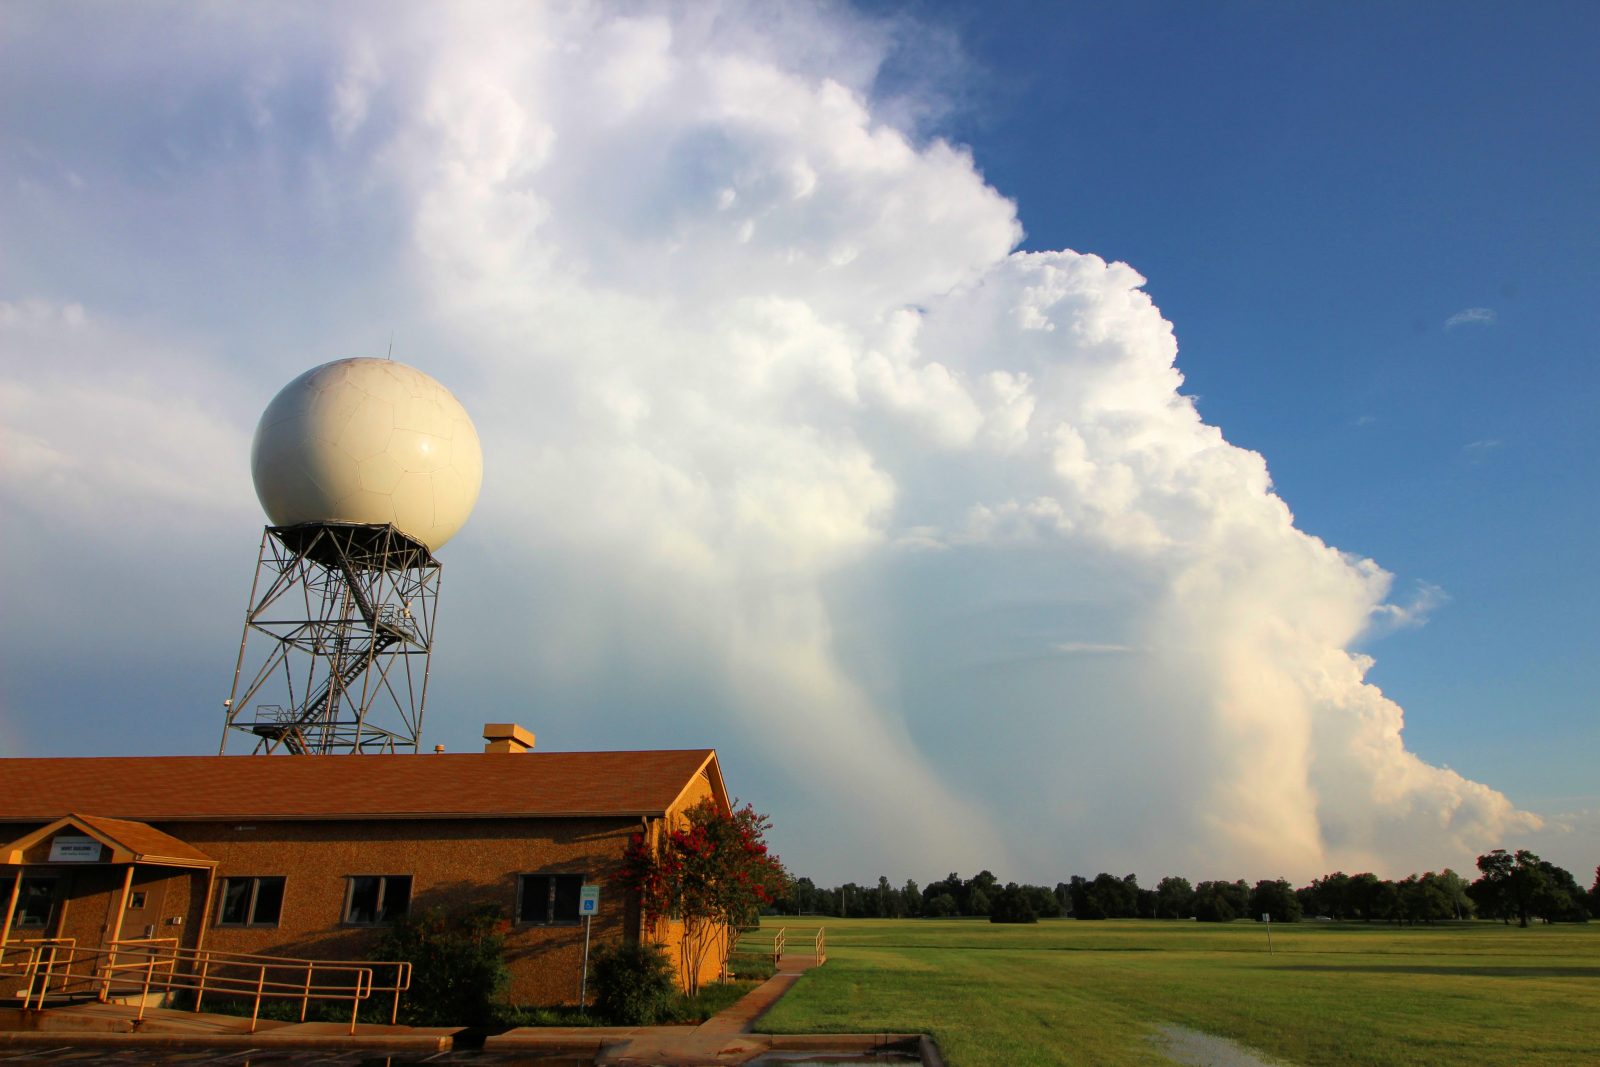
(368, 440)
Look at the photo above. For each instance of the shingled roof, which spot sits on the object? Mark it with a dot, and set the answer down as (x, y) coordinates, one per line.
(129, 841)
(481, 785)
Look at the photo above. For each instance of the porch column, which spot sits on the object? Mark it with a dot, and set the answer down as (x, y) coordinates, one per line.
(205, 916)
(116, 934)
(11, 907)
(122, 905)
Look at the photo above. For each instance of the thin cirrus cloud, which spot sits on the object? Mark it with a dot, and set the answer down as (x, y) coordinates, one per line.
(787, 449)
(1471, 317)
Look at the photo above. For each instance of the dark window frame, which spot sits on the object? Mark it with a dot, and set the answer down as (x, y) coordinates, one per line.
(381, 902)
(253, 900)
(22, 918)
(561, 888)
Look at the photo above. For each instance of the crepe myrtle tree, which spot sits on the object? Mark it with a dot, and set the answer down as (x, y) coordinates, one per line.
(713, 873)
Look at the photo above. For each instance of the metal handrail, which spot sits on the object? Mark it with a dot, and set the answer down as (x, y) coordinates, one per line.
(36, 949)
(160, 964)
(780, 942)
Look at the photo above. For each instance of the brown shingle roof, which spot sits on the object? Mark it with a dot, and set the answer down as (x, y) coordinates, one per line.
(142, 839)
(365, 786)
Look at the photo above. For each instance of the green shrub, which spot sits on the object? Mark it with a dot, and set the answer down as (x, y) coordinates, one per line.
(634, 983)
(556, 1015)
(283, 1008)
(458, 966)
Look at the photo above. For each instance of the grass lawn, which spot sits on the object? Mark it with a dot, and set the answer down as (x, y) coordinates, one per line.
(1092, 992)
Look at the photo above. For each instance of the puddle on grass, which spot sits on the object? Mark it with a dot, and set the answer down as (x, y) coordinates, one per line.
(1195, 1048)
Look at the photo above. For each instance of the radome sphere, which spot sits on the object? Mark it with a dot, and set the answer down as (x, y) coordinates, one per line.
(368, 440)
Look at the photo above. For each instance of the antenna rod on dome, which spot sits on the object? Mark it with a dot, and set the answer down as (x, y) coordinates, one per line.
(365, 467)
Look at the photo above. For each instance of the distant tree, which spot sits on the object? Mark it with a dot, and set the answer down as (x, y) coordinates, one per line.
(802, 897)
(889, 905)
(1043, 901)
(940, 907)
(1128, 901)
(853, 902)
(1508, 885)
(1213, 903)
(950, 886)
(1011, 905)
(1274, 898)
(1064, 893)
(1308, 901)
(1085, 905)
(1174, 898)
(1384, 901)
(984, 883)
(911, 899)
(1107, 897)
(1454, 887)
(1330, 895)
(1594, 896)
(871, 903)
(1421, 900)
(1362, 896)
(1221, 902)
(1557, 896)
(978, 902)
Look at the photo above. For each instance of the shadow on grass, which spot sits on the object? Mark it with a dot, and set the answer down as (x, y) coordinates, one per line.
(1470, 972)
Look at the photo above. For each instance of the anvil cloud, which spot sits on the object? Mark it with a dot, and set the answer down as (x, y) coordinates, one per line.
(787, 450)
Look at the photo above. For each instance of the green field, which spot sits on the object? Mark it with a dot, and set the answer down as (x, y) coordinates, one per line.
(1094, 992)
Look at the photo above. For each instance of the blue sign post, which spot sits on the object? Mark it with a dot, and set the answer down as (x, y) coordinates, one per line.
(588, 905)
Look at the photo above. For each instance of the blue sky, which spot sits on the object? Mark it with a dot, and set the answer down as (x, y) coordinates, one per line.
(807, 437)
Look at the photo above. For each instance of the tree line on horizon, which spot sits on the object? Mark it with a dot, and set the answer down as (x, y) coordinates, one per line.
(1510, 886)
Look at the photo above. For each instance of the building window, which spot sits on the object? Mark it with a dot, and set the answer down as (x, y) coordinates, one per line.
(136, 900)
(548, 898)
(377, 898)
(36, 901)
(250, 902)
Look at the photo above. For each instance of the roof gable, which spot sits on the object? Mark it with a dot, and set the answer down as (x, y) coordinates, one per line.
(129, 842)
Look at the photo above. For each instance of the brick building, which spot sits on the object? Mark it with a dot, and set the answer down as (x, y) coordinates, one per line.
(309, 856)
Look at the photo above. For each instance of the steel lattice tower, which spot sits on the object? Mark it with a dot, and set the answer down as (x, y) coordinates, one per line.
(338, 636)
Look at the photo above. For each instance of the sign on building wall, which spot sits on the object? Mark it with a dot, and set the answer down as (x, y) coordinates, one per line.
(71, 848)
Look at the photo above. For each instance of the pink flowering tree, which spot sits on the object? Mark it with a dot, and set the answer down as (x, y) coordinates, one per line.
(713, 874)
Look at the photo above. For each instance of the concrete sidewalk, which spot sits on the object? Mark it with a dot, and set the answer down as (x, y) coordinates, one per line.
(725, 1039)
(108, 1025)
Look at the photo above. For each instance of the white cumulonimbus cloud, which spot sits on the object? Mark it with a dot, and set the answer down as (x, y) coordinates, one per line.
(786, 449)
